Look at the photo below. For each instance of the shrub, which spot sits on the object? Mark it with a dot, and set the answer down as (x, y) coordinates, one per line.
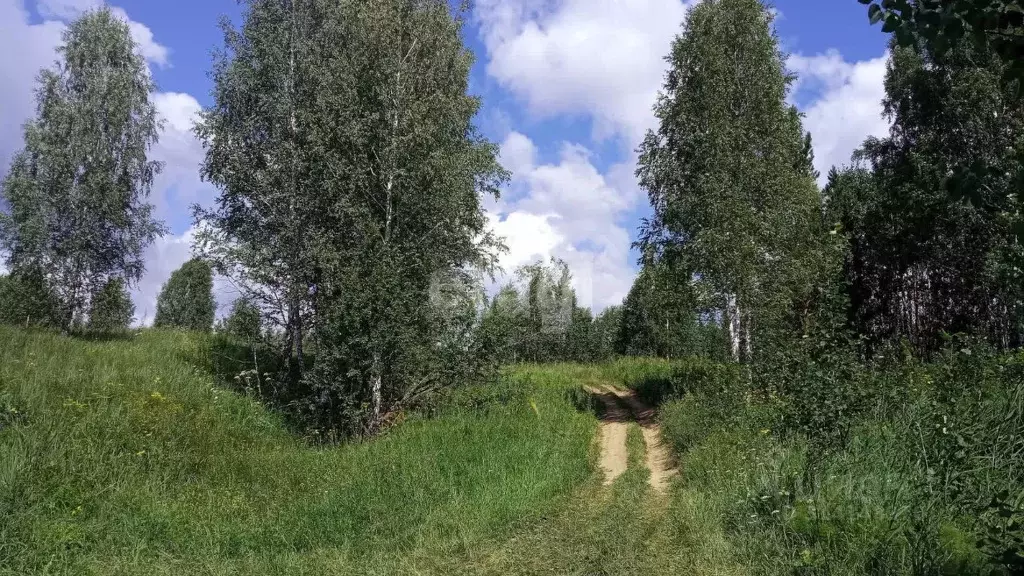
(26, 300)
(112, 309)
(186, 300)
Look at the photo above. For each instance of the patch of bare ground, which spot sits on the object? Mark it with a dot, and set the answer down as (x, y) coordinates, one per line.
(659, 458)
(614, 422)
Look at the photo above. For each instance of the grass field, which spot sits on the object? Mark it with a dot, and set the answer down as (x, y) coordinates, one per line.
(127, 457)
(124, 457)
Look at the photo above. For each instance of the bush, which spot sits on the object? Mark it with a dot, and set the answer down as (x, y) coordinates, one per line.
(918, 473)
(26, 300)
(656, 384)
(186, 300)
(244, 321)
(112, 309)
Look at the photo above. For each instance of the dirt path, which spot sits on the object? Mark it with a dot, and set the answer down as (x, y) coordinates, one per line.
(614, 423)
(659, 458)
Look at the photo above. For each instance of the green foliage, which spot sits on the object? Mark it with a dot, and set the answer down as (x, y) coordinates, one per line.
(76, 195)
(26, 300)
(950, 261)
(244, 321)
(538, 320)
(996, 25)
(604, 333)
(660, 317)
(112, 309)
(186, 300)
(351, 177)
(727, 173)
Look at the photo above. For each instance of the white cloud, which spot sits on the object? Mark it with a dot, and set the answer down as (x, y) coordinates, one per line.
(602, 58)
(528, 237)
(179, 185)
(571, 211)
(35, 47)
(848, 107)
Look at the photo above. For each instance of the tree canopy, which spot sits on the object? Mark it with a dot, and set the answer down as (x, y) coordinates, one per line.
(186, 300)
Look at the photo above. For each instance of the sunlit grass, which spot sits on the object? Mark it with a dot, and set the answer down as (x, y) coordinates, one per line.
(125, 457)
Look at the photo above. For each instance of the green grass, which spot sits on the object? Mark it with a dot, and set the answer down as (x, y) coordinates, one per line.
(622, 529)
(902, 495)
(124, 457)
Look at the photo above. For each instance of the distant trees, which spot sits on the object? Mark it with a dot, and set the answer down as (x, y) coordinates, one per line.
(537, 319)
(111, 308)
(186, 300)
(244, 321)
(76, 194)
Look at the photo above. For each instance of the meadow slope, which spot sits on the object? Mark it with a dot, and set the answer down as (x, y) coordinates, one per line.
(126, 457)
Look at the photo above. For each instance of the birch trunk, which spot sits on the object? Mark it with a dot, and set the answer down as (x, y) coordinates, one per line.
(376, 391)
(733, 313)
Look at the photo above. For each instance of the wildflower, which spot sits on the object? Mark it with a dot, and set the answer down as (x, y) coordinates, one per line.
(157, 396)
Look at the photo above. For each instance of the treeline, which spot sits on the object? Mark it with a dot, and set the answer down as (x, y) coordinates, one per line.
(873, 328)
(917, 238)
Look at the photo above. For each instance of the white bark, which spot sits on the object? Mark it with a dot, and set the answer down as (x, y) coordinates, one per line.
(733, 316)
(376, 389)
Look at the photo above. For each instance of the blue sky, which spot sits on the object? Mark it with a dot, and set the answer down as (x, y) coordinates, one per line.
(567, 88)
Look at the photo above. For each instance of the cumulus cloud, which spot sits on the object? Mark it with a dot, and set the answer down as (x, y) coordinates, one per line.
(846, 108)
(179, 185)
(35, 46)
(603, 59)
(572, 211)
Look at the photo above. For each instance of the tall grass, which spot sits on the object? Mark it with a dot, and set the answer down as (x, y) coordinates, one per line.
(929, 481)
(124, 457)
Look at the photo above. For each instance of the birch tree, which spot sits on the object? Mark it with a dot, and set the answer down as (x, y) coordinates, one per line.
(76, 195)
(351, 178)
(727, 169)
(258, 136)
(186, 300)
(404, 170)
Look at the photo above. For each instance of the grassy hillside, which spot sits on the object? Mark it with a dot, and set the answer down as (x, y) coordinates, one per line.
(125, 457)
